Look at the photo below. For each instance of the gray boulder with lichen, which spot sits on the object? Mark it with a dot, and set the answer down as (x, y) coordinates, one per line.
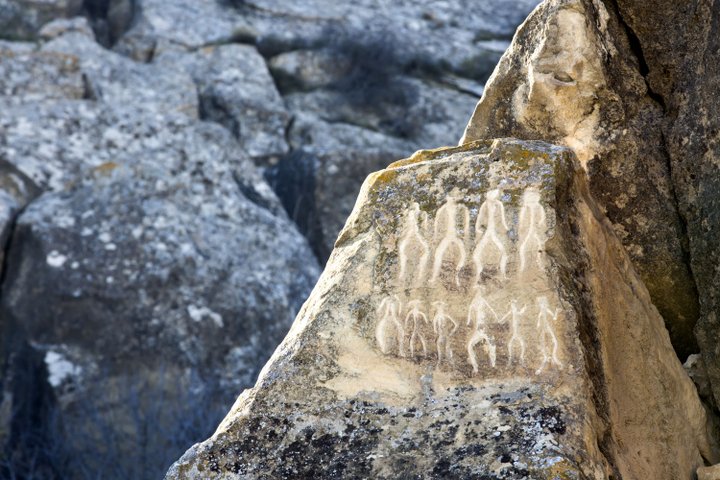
(477, 318)
(163, 288)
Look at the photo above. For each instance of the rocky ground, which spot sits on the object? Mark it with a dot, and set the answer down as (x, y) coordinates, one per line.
(172, 175)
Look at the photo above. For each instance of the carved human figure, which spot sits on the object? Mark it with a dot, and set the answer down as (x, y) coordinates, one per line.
(532, 227)
(414, 317)
(546, 333)
(389, 326)
(412, 241)
(477, 315)
(490, 224)
(444, 327)
(516, 338)
(446, 224)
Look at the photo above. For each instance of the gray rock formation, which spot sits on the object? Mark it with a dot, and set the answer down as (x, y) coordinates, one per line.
(21, 19)
(152, 267)
(236, 90)
(478, 318)
(158, 277)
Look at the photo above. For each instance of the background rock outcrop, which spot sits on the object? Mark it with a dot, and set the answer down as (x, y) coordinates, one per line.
(477, 318)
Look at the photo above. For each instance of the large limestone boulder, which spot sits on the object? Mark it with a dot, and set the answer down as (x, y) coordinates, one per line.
(478, 318)
(575, 75)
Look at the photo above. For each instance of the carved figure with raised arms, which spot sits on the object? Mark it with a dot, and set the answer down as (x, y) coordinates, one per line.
(444, 327)
(477, 314)
(516, 338)
(412, 241)
(532, 226)
(389, 326)
(489, 226)
(446, 228)
(414, 317)
(545, 314)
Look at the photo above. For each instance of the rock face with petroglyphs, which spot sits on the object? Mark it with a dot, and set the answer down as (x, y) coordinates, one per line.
(478, 318)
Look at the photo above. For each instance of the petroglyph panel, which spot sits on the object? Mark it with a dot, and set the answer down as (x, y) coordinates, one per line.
(465, 295)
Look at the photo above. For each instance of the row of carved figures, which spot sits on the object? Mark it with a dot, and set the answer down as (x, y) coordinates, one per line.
(491, 229)
(480, 313)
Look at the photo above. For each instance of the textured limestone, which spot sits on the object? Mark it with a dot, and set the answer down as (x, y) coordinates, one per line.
(33, 75)
(21, 19)
(709, 473)
(116, 80)
(572, 76)
(477, 318)
(235, 89)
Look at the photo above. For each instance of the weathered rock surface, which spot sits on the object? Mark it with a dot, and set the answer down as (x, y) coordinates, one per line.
(478, 319)
(163, 287)
(236, 90)
(117, 80)
(574, 75)
(21, 19)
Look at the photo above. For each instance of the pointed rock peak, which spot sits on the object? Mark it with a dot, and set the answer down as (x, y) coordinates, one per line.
(477, 319)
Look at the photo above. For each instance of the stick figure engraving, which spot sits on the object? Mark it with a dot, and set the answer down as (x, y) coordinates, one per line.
(416, 316)
(491, 217)
(532, 226)
(515, 338)
(412, 237)
(441, 327)
(447, 216)
(388, 311)
(479, 307)
(545, 330)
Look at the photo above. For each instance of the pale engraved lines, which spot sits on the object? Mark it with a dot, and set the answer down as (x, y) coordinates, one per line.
(491, 218)
(516, 338)
(412, 241)
(446, 219)
(389, 330)
(476, 317)
(532, 226)
(546, 333)
(442, 327)
(416, 316)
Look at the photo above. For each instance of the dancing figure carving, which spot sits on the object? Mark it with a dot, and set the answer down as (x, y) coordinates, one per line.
(546, 333)
(416, 316)
(444, 327)
(515, 337)
(389, 326)
(447, 217)
(477, 313)
(412, 241)
(532, 226)
(491, 218)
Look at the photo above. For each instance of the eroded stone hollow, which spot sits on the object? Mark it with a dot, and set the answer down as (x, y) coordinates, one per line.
(478, 318)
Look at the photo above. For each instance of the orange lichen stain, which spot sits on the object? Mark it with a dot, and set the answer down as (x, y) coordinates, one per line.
(104, 169)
